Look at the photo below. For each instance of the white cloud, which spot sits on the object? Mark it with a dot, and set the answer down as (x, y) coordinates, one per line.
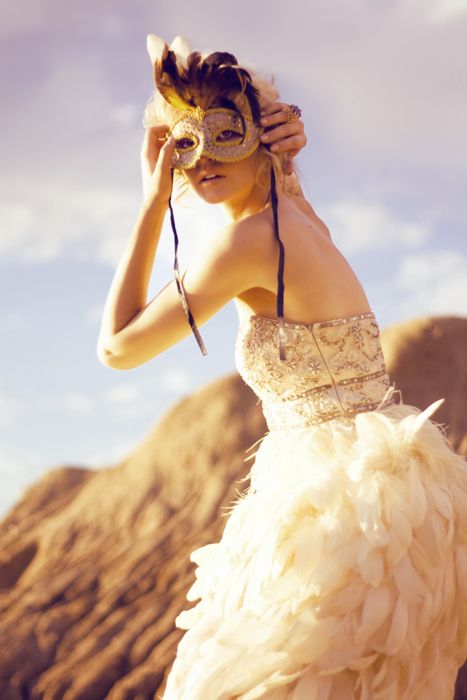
(125, 115)
(434, 282)
(93, 315)
(359, 226)
(439, 11)
(13, 321)
(10, 407)
(124, 394)
(117, 451)
(78, 403)
(176, 380)
(37, 230)
(15, 475)
(90, 223)
(384, 83)
(17, 222)
(57, 221)
(15, 20)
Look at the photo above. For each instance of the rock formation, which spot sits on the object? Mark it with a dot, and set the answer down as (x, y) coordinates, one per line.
(94, 565)
(427, 360)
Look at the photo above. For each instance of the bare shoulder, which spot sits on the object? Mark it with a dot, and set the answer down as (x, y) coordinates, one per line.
(237, 250)
(251, 237)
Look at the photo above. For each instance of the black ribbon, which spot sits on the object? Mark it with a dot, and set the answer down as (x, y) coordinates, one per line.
(179, 282)
(280, 275)
(280, 271)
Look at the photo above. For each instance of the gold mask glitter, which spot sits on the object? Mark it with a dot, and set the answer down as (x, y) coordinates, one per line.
(217, 133)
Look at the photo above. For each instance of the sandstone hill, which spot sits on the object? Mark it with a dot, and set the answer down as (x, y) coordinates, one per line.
(427, 360)
(94, 565)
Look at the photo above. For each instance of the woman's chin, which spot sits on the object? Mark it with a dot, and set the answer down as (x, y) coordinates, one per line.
(213, 194)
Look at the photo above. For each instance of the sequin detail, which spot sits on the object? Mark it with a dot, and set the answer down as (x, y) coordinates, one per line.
(334, 368)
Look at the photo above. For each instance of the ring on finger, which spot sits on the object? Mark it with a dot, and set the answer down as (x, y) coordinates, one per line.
(292, 112)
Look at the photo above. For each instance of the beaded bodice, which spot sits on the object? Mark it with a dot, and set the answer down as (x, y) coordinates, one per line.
(333, 368)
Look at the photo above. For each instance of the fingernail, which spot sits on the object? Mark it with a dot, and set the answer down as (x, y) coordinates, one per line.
(264, 137)
(264, 120)
(274, 147)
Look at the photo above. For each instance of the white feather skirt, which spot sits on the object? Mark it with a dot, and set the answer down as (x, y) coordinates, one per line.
(341, 572)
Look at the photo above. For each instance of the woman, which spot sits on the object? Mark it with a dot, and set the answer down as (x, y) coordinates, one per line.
(342, 570)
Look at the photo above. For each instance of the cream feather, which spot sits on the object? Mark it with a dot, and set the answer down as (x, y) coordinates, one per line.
(155, 45)
(181, 48)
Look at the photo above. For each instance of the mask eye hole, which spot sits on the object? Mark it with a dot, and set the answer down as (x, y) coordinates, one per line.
(227, 135)
(185, 143)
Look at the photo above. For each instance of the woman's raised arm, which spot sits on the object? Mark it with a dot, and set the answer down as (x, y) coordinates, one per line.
(134, 330)
(128, 291)
(224, 267)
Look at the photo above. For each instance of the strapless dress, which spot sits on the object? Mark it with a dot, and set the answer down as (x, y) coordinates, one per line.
(342, 569)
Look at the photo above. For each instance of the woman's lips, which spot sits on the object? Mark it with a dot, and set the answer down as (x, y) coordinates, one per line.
(207, 179)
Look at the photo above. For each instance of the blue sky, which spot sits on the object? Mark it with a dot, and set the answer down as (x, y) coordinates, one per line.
(383, 88)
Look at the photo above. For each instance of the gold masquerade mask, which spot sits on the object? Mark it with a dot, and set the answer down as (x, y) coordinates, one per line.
(217, 133)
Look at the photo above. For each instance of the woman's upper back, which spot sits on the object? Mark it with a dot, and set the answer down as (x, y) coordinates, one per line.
(319, 283)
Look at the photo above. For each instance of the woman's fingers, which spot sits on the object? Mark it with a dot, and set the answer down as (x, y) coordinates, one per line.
(153, 141)
(166, 153)
(285, 136)
(275, 113)
(293, 144)
(161, 179)
(294, 127)
(273, 108)
(156, 156)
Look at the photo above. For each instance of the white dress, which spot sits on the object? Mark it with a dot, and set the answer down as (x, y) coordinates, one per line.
(342, 570)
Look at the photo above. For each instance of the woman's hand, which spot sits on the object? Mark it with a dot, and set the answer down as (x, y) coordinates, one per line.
(288, 136)
(156, 154)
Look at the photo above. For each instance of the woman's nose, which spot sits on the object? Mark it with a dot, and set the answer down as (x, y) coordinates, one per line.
(204, 160)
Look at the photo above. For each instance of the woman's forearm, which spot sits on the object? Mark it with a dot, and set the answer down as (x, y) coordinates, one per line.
(128, 291)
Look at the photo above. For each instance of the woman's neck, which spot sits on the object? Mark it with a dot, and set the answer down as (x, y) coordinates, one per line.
(247, 204)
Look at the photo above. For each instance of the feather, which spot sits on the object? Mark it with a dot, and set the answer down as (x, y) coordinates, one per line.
(376, 608)
(442, 500)
(416, 422)
(398, 629)
(409, 582)
(181, 48)
(186, 80)
(417, 497)
(169, 79)
(155, 46)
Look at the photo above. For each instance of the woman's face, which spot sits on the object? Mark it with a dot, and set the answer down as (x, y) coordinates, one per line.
(217, 182)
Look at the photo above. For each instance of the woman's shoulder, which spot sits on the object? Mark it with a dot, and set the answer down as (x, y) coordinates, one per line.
(244, 243)
(293, 211)
(254, 234)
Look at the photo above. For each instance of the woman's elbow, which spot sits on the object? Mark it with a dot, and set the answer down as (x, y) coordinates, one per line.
(110, 358)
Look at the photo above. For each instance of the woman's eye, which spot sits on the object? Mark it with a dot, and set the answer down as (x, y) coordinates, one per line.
(184, 143)
(228, 135)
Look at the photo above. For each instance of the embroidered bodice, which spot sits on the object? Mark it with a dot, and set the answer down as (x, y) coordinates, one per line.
(333, 368)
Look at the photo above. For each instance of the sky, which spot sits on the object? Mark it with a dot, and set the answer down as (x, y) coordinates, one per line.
(383, 90)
